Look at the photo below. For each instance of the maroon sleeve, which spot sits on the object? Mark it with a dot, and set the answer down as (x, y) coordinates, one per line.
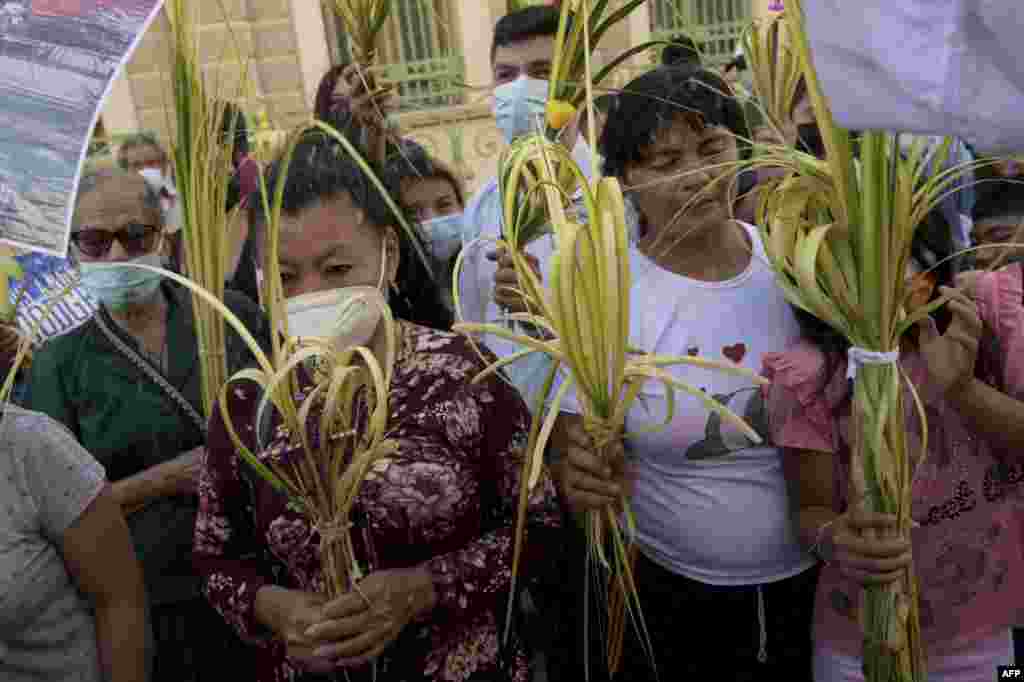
(478, 576)
(227, 553)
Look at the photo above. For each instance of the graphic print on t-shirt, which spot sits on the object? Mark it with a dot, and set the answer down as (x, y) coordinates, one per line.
(721, 437)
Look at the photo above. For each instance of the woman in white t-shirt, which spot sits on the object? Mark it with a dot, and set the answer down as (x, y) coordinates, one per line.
(725, 588)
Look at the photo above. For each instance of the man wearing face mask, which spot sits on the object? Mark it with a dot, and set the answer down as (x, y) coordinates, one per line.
(126, 383)
(521, 59)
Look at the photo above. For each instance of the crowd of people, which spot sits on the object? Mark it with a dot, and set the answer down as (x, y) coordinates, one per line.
(135, 544)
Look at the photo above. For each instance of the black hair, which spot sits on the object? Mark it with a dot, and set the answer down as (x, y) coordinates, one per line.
(233, 116)
(321, 170)
(411, 161)
(651, 102)
(521, 25)
(998, 199)
(682, 50)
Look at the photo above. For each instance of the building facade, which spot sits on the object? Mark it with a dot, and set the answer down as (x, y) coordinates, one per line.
(438, 51)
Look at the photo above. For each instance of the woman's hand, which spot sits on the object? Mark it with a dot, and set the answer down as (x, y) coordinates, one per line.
(289, 614)
(506, 281)
(766, 134)
(181, 474)
(370, 109)
(357, 627)
(868, 548)
(950, 358)
(587, 481)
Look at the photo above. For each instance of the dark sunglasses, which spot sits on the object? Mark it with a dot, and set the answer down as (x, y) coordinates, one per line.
(136, 239)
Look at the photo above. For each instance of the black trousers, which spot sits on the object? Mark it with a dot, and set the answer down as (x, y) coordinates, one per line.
(193, 643)
(710, 632)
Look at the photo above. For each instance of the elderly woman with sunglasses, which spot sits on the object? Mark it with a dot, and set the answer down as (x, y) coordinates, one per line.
(127, 385)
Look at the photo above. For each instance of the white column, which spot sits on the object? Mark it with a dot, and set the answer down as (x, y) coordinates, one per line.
(640, 24)
(476, 32)
(118, 111)
(314, 55)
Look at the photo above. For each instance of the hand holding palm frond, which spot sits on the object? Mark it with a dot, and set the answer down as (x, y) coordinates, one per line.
(327, 444)
(838, 234)
(584, 315)
(582, 25)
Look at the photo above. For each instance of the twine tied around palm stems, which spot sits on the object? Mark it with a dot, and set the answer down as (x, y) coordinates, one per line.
(332, 531)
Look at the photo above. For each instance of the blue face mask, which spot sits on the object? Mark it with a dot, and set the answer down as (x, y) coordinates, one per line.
(444, 235)
(519, 106)
(117, 287)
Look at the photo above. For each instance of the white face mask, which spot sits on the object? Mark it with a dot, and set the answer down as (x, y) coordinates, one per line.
(348, 316)
(154, 176)
(444, 235)
(519, 106)
(118, 287)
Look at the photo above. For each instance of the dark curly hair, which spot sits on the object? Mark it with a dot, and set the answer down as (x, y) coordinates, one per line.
(320, 170)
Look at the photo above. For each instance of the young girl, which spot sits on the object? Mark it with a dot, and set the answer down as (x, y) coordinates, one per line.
(432, 195)
(966, 544)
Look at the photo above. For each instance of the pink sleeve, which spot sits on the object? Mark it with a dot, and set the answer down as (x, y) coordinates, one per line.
(1000, 298)
(800, 411)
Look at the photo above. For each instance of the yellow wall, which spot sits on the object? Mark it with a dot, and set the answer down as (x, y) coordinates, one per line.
(286, 44)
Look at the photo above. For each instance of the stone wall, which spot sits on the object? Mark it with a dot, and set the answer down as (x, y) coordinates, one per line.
(265, 31)
(262, 32)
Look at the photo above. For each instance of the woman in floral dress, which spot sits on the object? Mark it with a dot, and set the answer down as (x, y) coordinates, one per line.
(433, 525)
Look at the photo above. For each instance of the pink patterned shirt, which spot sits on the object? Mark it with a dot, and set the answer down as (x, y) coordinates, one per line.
(967, 494)
(446, 500)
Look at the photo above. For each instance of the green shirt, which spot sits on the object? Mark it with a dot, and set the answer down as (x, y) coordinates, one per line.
(127, 422)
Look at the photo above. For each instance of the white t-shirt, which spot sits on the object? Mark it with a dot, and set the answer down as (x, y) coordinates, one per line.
(709, 504)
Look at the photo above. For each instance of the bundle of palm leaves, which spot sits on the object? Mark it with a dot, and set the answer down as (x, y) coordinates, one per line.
(204, 159)
(776, 70)
(838, 233)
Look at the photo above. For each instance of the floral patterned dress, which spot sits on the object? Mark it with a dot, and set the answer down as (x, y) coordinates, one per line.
(446, 500)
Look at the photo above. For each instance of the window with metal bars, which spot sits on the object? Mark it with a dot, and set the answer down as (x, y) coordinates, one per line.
(715, 25)
(417, 52)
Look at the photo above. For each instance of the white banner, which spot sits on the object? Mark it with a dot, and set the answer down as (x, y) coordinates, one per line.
(58, 60)
(937, 67)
